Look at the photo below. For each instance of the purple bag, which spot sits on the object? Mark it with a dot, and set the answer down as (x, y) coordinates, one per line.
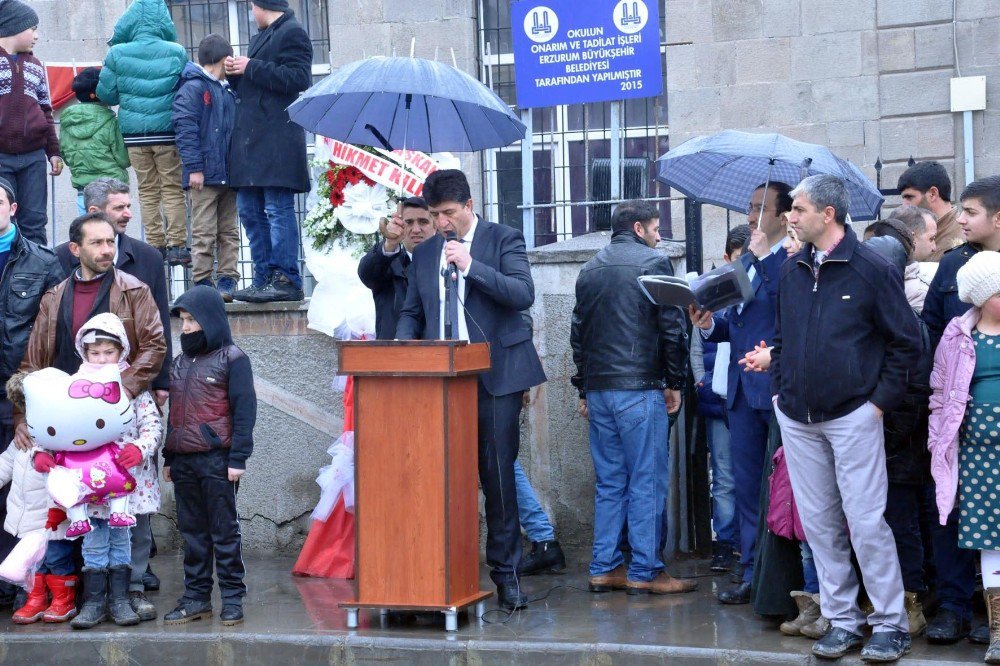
(782, 516)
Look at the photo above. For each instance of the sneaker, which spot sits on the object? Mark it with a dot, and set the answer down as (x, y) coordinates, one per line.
(189, 611)
(885, 646)
(227, 287)
(251, 293)
(279, 289)
(178, 256)
(231, 614)
(207, 282)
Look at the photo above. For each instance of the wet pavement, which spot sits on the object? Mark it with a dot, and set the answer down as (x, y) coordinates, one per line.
(292, 620)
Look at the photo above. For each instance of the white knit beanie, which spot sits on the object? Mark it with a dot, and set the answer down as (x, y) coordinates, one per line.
(979, 279)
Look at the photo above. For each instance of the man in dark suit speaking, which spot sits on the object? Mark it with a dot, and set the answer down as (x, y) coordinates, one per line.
(494, 285)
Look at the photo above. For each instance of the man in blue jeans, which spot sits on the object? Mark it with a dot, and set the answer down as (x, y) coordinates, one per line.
(268, 152)
(631, 360)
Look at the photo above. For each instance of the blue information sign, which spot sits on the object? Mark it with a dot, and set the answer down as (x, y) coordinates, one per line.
(573, 51)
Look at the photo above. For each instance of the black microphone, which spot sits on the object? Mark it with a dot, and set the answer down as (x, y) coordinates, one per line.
(450, 275)
(452, 268)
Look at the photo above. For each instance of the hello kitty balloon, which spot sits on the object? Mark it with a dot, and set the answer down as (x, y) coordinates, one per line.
(78, 418)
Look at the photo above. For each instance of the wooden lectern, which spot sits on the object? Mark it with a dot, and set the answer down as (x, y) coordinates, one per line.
(416, 475)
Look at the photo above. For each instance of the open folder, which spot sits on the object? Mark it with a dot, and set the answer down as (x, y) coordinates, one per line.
(715, 290)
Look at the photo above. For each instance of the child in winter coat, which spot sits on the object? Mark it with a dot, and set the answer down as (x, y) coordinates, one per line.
(27, 130)
(107, 551)
(213, 409)
(204, 112)
(964, 433)
(91, 141)
(140, 75)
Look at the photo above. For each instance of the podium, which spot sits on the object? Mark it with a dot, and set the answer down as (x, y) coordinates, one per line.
(416, 476)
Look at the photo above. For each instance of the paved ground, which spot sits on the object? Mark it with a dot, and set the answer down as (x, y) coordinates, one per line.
(296, 621)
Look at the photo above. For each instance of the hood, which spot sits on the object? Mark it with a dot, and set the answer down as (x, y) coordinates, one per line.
(83, 120)
(207, 307)
(889, 249)
(144, 18)
(108, 323)
(194, 71)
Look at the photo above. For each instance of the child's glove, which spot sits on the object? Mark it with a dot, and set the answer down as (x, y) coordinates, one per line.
(129, 456)
(55, 519)
(44, 462)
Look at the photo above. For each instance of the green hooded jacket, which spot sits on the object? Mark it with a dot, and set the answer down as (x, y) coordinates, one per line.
(92, 144)
(141, 70)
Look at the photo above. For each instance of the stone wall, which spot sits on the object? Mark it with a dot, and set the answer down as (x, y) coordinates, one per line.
(869, 79)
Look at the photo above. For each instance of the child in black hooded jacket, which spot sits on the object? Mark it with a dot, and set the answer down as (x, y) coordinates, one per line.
(213, 408)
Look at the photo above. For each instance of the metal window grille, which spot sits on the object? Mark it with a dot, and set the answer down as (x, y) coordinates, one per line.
(570, 143)
(194, 20)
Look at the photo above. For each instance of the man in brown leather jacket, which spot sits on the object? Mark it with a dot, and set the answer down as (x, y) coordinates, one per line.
(95, 287)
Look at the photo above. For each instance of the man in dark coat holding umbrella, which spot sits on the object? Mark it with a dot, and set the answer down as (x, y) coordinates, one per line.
(268, 154)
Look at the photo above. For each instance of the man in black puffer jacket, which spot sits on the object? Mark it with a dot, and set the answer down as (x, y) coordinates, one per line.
(631, 359)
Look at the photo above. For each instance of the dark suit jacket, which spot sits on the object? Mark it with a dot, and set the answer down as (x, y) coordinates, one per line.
(497, 288)
(746, 329)
(145, 262)
(386, 277)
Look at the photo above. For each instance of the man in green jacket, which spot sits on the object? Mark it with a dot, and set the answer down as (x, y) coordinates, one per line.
(140, 75)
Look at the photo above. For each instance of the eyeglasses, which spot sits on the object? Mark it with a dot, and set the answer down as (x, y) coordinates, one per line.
(757, 208)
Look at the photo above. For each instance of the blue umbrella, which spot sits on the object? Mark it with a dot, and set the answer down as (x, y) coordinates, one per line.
(725, 168)
(407, 103)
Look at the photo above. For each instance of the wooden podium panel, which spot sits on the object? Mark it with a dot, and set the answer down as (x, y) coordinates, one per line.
(416, 474)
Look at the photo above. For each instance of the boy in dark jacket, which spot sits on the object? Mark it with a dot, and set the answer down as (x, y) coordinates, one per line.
(91, 140)
(27, 130)
(204, 112)
(213, 408)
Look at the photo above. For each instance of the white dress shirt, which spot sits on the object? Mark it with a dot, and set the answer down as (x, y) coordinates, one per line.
(463, 327)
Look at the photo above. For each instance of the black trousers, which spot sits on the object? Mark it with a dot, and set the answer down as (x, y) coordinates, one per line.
(902, 513)
(499, 441)
(207, 519)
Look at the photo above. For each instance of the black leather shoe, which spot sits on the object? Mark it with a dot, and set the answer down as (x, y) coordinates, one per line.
(723, 559)
(837, 643)
(886, 646)
(980, 635)
(150, 581)
(947, 627)
(510, 597)
(737, 595)
(545, 557)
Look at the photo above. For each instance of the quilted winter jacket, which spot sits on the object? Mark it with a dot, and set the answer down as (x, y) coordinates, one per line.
(954, 366)
(92, 144)
(140, 71)
(204, 112)
(28, 501)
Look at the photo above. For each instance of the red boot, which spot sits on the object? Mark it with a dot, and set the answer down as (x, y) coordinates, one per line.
(38, 601)
(63, 598)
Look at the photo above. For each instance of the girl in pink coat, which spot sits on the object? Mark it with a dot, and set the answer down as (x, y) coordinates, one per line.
(964, 436)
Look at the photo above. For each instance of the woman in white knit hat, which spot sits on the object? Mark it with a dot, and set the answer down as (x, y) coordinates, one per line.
(964, 437)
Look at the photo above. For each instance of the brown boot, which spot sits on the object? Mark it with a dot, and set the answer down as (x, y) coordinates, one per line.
(664, 583)
(808, 613)
(992, 595)
(915, 614)
(612, 580)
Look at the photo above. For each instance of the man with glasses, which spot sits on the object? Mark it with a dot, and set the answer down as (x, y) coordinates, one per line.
(749, 398)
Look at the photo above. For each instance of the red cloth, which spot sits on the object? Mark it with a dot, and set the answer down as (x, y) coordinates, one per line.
(84, 297)
(329, 549)
(61, 81)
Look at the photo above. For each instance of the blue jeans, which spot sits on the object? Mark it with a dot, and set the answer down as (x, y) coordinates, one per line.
(723, 482)
(268, 215)
(629, 446)
(58, 558)
(534, 522)
(27, 173)
(80, 208)
(809, 575)
(105, 546)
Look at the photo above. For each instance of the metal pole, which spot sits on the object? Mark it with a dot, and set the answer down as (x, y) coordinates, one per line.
(528, 180)
(692, 235)
(970, 151)
(616, 150)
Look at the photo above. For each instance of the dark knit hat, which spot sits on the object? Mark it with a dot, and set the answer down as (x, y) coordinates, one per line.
(85, 82)
(272, 5)
(16, 17)
(5, 185)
